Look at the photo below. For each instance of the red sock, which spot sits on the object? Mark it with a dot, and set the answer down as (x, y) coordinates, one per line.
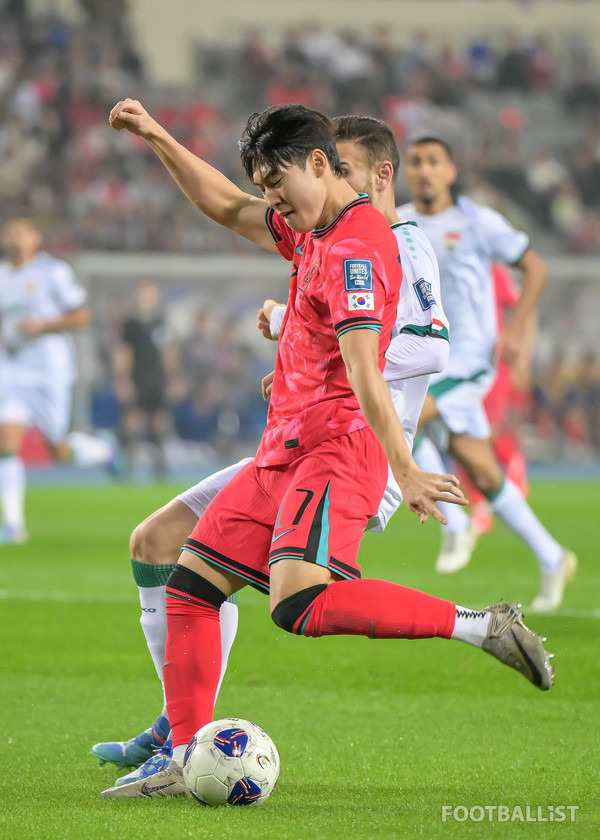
(192, 665)
(377, 609)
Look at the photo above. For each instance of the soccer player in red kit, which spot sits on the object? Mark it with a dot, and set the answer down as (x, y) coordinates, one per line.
(290, 522)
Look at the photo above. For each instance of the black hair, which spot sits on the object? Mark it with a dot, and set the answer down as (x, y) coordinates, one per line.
(285, 135)
(373, 135)
(419, 139)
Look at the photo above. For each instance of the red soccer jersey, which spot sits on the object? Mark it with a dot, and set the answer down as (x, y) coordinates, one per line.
(345, 276)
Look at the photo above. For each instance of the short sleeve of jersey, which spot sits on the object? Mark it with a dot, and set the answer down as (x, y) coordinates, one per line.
(504, 242)
(66, 291)
(284, 237)
(357, 287)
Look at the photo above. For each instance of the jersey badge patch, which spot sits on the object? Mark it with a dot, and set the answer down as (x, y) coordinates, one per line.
(358, 275)
(360, 300)
(423, 291)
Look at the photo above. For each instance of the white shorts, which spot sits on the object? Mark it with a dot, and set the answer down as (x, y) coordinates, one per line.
(198, 497)
(45, 405)
(460, 405)
(408, 396)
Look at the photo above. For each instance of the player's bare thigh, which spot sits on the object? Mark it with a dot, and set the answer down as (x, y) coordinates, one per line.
(428, 412)
(290, 576)
(158, 539)
(11, 437)
(477, 458)
(226, 582)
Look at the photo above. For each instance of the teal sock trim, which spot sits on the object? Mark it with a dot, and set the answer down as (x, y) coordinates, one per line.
(232, 598)
(495, 493)
(151, 574)
(6, 455)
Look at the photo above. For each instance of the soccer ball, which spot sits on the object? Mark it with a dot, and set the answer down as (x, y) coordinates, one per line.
(231, 762)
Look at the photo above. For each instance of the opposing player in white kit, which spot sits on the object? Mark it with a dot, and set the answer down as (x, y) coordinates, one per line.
(466, 238)
(370, 162)
(40, 303)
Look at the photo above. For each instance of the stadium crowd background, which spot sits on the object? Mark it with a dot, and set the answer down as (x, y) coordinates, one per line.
(522, 112)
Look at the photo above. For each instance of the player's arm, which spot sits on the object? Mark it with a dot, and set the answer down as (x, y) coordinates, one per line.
(212, 193)
(75, 319)
(420, 490)
(415, 355)
(533, 269)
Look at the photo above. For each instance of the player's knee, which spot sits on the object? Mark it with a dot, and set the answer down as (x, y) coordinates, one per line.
(487, 481)
(149, 543)
(290, 613)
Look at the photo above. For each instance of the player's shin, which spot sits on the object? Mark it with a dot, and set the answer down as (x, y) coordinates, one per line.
(193, 652)
(377, 609)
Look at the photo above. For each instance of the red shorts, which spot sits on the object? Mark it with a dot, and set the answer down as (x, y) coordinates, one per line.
(314, 509)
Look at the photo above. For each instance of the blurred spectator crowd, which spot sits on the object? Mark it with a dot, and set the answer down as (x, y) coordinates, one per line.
(524, 116)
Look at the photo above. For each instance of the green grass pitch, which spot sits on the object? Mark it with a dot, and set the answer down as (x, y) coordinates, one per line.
(375, 737)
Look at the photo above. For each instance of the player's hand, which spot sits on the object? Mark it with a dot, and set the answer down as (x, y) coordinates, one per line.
(510, 347)
(421, 490)
(130, 114)
(264, 318)
(264, 325)
(267, 385)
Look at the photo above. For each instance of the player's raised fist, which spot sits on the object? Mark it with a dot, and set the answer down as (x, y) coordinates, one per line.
(130, 114)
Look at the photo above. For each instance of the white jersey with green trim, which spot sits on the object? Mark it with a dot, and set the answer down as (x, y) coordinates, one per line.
(420, 308)
(466, 239)
(46, 288)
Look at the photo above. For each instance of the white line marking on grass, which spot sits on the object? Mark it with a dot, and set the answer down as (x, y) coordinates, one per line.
(65, 597)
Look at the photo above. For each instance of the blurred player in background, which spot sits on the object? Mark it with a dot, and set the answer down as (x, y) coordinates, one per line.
(40, 304)
(143, 357)
(466, 238)
(508, 391)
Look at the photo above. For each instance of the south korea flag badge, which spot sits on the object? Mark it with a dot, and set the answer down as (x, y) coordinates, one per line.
(361, 300)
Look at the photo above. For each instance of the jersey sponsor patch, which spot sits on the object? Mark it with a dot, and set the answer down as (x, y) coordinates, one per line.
(358, 275)
(361, 301)
(423, 291)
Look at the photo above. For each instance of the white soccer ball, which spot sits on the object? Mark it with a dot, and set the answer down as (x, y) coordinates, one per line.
(231, 762)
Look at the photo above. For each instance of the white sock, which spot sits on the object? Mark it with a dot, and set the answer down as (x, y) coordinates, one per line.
(511, 506)
(471, 626)
(229, 626)
(12, 491)
(153, 602)
(428, 458)
(179, 754)
(90, 450)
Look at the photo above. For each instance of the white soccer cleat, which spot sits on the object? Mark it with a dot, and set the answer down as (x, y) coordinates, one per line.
(513, 643)
(164, 778)
(457, 548)
(553, 584)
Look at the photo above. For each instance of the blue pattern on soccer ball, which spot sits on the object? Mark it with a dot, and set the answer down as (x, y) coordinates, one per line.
(244, 792)
(231, 742)
(188, 750)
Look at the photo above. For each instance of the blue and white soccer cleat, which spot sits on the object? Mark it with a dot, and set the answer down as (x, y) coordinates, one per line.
(157, 777)
(137, 750)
